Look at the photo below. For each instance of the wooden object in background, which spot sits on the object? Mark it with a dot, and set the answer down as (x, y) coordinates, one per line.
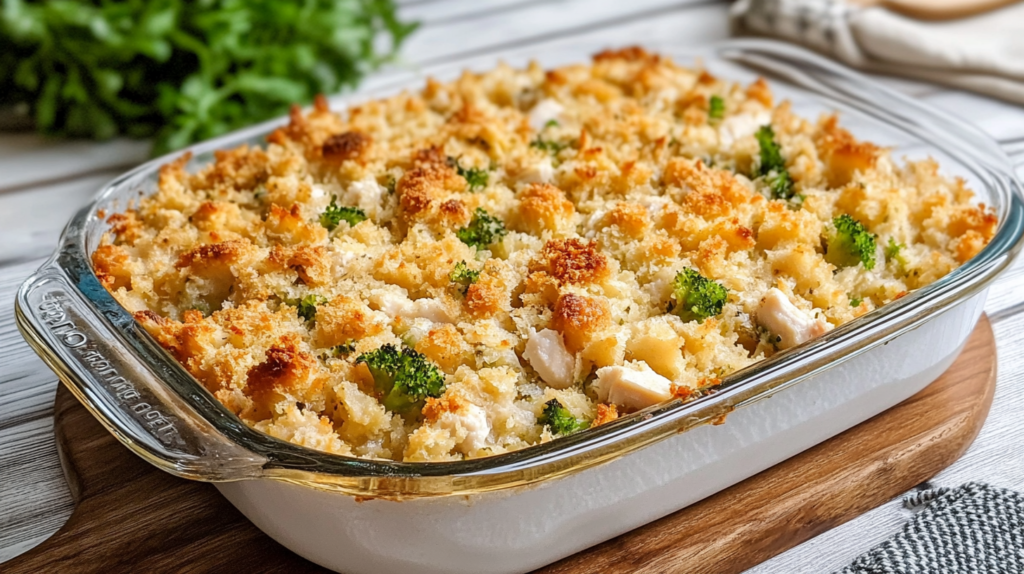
(131, 517)
(938, 9)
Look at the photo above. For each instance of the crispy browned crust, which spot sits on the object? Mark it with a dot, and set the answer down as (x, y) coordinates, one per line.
(351, 145)
(445, 347)
(285, 368)
(606, 413)
(230, 269)
(842, 153)
(579, 318)
(543, 207)
(574, 261)
(631, 218)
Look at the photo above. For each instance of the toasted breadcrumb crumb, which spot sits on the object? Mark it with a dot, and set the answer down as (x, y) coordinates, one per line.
(600, 183)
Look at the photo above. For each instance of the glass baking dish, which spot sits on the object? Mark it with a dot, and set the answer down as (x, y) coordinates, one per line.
(153, 406)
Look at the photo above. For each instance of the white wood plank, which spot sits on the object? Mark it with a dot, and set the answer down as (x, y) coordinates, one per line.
(1001, 120)
(31, 220)
(432, 13)
(535, 23)
(692, 25)
(30, 159)
(34, 499)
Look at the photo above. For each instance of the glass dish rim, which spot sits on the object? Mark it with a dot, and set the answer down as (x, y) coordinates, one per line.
(293, 463)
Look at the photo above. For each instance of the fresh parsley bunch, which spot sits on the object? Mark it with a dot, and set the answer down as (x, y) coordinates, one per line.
(182, 71)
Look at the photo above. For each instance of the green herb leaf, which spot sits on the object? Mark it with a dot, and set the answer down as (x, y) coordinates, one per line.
(184, 71)
(343, 350)
(551, 146)
(476, 178)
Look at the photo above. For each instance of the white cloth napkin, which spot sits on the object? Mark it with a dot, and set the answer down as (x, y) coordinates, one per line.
(983, 53)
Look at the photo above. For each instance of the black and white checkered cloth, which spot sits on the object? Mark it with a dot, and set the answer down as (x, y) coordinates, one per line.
(972, 529)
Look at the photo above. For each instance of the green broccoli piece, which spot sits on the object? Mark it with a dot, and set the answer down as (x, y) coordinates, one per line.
(335, 214)
(552, 123)
(306, 307)
(716, 108)
(695, 297)
(476, 178)
(773, 166)
(851, 243)
(856, 301)
(405, 378)
(482, 231)
(558, 418)
(463, 276)
(893, 252)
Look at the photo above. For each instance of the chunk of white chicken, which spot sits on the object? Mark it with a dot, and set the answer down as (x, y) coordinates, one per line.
(538, 172)
(469, 425)
(547, 354)
(789, 324)
(398, 305)
(635, 386)
(365, 194)
(740, 126)
(545, 111)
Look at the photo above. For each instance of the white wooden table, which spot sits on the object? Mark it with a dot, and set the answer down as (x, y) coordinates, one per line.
(42, 183)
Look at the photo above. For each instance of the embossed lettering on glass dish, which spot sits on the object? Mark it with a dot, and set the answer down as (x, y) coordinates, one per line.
(52, 311)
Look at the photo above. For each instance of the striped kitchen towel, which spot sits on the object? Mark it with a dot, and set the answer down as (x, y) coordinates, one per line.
(972, 529)
(982, 53)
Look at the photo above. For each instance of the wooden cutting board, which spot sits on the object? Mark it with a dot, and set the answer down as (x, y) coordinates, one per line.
(131, 517)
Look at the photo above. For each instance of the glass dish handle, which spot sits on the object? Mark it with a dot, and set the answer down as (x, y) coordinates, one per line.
(137, 405)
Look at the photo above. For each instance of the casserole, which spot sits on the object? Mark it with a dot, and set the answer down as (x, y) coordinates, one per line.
(523, 509)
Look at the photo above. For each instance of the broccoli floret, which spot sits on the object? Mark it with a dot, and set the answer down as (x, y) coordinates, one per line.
(850, 243)
(306, 307)
(773, 166)
(716, 108)
(893, 252)
(482, 231)
(405, 378)
(558, 418)
(463, 276)
(856, 301)
(552, 123)
(476, 178)
(335, 214)
(695, 297)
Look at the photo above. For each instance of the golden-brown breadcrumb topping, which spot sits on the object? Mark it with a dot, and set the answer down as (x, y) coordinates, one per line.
(527, 233)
